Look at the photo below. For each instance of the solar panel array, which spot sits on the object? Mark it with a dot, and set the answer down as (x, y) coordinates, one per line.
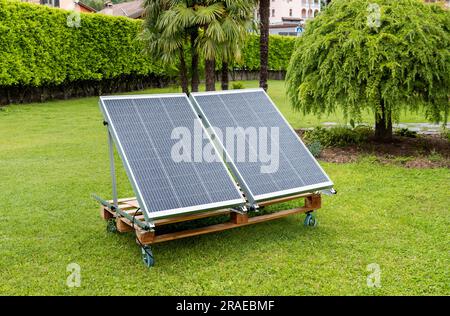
(297, 171)
(142, 129)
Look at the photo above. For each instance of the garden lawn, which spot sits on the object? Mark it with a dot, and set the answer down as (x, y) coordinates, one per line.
(54, 155)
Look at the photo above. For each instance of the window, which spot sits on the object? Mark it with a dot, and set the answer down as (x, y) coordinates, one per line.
(290, 12)
(273, 12)
(51, 3)
(303, 13)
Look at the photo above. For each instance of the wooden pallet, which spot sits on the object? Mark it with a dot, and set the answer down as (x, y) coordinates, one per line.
(130, 205)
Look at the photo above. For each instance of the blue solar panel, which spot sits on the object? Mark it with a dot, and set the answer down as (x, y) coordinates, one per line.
(297, 171)
(142, 129)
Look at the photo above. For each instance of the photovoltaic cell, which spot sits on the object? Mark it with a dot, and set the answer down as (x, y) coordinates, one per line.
(297, 171)
(142, 127)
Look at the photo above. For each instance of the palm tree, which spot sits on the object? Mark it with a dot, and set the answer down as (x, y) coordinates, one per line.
(264, 12)
(224, 36)
(165, 32)
(236, 23)
(212, 29)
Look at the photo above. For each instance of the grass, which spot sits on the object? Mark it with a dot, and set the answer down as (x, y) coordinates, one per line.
(54, 155)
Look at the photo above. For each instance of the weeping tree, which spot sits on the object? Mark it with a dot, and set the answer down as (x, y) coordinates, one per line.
(383, 55)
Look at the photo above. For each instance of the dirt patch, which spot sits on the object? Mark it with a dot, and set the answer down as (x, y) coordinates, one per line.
(424, 151)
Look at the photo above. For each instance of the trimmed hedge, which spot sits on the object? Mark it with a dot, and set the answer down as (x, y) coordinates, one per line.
(39, 49)
(280, 51)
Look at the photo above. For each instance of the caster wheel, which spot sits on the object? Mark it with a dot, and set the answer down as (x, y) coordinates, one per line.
(111, 226)
(310, 220)
(147, 256)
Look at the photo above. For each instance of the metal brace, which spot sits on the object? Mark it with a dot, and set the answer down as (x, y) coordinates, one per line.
(329, 191)
(240, 209)
(144, 225)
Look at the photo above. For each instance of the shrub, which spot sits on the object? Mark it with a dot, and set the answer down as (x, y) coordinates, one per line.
(237, 85)
(39, 49)
(315, 148)
(340, 136)
(445, 133)
(280, 51)
(405, 133)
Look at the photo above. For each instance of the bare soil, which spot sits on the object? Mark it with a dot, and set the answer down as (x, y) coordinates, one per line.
(424, 151)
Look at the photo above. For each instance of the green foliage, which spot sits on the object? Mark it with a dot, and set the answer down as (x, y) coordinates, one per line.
(346, 59)
(237, 85)
(39, 48)
(280, 51)
(405, 133)
(445, 134)
(315, 148)
(340, 136)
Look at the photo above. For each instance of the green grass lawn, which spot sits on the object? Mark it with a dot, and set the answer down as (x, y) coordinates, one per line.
(54, 155)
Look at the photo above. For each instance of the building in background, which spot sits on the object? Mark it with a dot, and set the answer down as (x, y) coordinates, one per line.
(287, 15)
(131, 9)
(64, 4)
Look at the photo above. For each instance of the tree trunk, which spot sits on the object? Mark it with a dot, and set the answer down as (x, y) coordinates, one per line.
(383, 124)
(194, 62)
(183, 73)
(264, 12)
(210, 80)
(224, 75)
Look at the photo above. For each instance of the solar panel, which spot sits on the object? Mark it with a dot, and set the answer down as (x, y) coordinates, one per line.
(297, 170)
(142, 128)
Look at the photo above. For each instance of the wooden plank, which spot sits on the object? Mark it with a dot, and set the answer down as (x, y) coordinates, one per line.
(190, 217)
(227, 225)
(122, 200)
(133, 203)
(237, 218)
(105, 213)
(313, 202)
(132, 212)
(123, 225)
(145, 237)
(284, 199)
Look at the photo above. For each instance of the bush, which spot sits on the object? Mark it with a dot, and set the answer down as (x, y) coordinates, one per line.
(39, 48)
(315, 148)
(237, 85)
(405, 133)
(445, 133)
(340, 136)
(280, 51)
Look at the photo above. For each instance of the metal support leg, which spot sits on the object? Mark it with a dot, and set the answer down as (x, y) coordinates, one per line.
(113, 170)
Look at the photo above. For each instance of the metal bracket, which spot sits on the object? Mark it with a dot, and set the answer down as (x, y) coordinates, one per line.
(329, 191)
(118, 211)
(240, 209)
